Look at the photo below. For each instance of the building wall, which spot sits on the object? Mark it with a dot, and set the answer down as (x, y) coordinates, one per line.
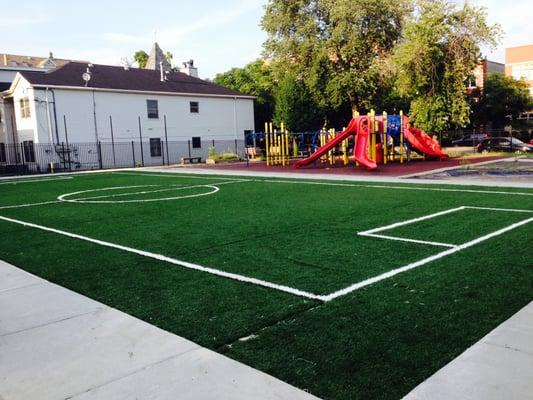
(218, 118)
(26, 128)
(519, 64)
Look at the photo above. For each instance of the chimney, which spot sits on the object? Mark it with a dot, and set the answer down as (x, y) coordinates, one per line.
(162, 71)
(189, 69)
(5, 59)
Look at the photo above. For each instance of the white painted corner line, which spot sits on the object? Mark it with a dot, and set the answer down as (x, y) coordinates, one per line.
(367, 186)
(411, 221)
(29, 180)
(401, 239)
(42, 203)
(424, 261)
(160, 257)
(179, 176)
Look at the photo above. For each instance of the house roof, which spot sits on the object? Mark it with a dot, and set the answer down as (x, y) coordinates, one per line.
(156, 58)
(20, 61)
(106, 77)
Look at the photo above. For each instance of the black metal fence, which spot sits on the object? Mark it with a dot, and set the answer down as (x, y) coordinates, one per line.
(30, 158)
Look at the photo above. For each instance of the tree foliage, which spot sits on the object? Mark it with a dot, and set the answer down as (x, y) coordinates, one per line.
(295, 107)
(336, 47)
(254, 79)
(502, 98)
(141, 57)
(441, 47)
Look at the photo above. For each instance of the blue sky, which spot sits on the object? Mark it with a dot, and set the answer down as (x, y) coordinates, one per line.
(218, 35)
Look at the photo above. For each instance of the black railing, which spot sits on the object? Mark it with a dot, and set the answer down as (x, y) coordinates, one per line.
(32, 158)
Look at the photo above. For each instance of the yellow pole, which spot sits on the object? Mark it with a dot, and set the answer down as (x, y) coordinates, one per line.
(373, 135)
(401, 137)
(385, 139)
(287, 147)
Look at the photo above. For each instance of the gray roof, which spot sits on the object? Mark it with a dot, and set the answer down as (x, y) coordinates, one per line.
(156, 58)
(108, 77)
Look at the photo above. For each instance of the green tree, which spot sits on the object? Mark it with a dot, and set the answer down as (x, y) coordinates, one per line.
(254, 79)
(169, 56)
(501, 97)
(439, 51)
(295, 107)
(337, 47)
(141, 57)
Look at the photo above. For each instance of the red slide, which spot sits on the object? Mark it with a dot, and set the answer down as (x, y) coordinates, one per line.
(423, 143)
(358, 127)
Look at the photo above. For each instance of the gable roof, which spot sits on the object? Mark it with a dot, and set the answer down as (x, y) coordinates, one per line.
(156, 58)
(18, 61)
(111, 78)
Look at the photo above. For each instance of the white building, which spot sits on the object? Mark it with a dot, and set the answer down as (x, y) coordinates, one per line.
(81, 103)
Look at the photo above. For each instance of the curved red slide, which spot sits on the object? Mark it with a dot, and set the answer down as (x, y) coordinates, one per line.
(357, 126)
(423, 143)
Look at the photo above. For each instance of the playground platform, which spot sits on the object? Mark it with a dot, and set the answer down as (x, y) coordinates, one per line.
(397, 170)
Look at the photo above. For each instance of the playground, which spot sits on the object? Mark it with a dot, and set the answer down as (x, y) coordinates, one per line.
(347, 289)
(370, 141)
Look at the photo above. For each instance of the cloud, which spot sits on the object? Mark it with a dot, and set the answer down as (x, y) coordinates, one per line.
(175, 34)
(9, 21)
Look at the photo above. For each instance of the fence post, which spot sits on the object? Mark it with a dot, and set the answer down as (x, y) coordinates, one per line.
(141, 142)
(162, 145)
(68, 147)
(166, 138)
(236, 150)
(99, 148)
(23, 161)
(189, 147)
(133, 152)
(112, 141)
(64, 157)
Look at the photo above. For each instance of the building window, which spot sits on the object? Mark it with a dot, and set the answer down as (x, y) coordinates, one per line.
(155, 147)
(195, 107)
(29, 151)
(25, 107)
(2, 152)
(152, 108)
(197, 142)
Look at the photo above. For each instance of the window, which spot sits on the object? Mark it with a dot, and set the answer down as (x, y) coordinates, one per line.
(197, 142)
(25, 107)
(152, 109)
(195, 107)
(2, 152)
(155, 147)
(29, 152)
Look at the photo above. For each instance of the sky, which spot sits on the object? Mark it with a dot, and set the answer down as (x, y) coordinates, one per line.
(217, 35)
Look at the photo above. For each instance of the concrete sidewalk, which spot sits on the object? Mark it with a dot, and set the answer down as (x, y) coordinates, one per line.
(56, 344)
(499, 366)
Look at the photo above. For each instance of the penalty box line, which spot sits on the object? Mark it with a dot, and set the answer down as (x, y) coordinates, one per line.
(160, 257)
(424, 261)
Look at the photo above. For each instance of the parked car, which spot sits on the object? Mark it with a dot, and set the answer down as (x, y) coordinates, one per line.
(504, 144)
(469, 140)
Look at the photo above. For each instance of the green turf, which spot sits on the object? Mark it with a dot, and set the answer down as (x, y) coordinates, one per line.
(378, 342)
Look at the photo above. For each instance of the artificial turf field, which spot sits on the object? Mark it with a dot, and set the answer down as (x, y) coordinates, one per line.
(345, 289)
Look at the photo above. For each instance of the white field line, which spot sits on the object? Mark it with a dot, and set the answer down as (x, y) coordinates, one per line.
(213, 190)
(176, 187)
(397, 187)
(160, 257)
(29, 204)
(27, 180)
(400, 239)
(419, 263)
(172, 175)
(411, 221)
(499, 209)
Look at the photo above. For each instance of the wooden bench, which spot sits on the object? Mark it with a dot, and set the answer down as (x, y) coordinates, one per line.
(191, 160)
